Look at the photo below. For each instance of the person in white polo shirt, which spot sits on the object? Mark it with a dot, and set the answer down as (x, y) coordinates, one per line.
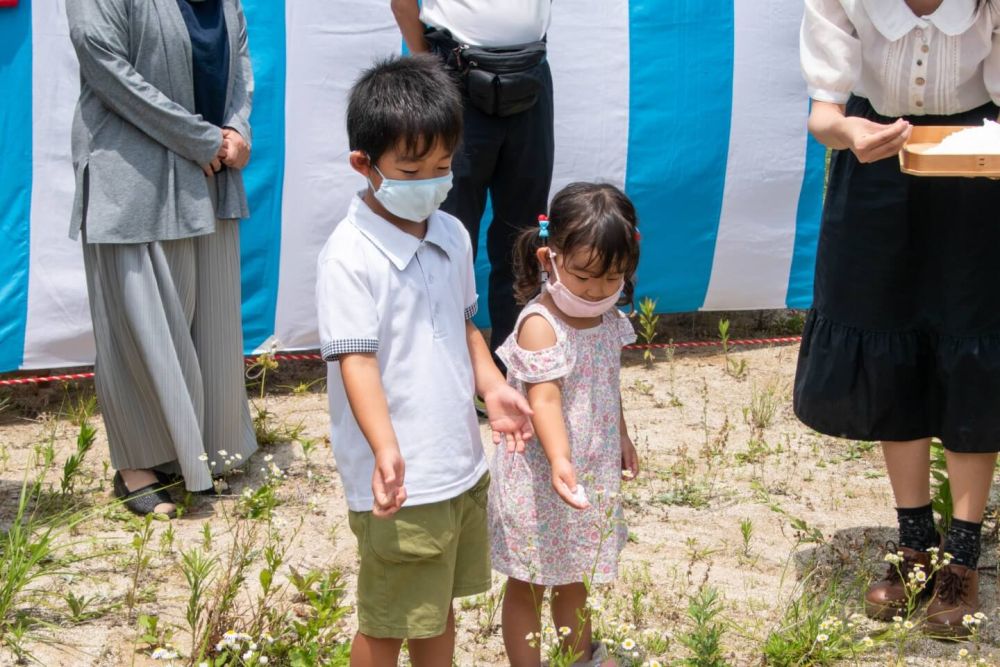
(497, 51)
(395, 292)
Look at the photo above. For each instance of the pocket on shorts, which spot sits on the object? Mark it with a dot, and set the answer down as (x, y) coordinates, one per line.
(480, 493)
(413, 534)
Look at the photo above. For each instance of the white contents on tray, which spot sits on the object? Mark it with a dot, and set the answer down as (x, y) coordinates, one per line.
(983, 140)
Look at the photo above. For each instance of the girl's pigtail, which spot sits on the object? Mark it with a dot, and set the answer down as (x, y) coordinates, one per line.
(527, 271)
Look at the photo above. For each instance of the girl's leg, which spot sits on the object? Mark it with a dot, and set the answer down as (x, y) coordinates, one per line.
(569, 610)
(909, 468)
(435, 651)
(522, 613)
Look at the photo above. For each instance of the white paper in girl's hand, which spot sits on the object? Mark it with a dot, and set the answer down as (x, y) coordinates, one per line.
(983, 140)
(580, 496)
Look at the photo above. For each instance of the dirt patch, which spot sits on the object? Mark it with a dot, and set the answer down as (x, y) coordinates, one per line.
(735, 494)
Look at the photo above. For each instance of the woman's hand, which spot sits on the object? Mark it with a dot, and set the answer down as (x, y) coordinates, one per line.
(564, 482)
(215, 166)
(630, 459)
(869, 141)
(235, 151)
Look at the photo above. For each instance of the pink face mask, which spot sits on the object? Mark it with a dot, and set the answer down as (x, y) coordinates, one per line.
(576, 306)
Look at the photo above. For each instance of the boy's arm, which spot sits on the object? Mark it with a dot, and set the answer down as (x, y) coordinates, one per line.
(363, 386)
(509, 412)
(407, 13)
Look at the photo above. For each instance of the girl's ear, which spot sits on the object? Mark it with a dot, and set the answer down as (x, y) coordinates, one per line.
(361, 163)
(543, 258)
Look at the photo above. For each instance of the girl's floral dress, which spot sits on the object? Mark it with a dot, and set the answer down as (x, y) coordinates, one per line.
(534, 535)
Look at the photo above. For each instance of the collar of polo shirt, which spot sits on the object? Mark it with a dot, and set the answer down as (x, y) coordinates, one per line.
(394, 243)
(895, 19)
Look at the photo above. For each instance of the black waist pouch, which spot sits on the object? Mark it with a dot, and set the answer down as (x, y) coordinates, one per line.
(500, 81)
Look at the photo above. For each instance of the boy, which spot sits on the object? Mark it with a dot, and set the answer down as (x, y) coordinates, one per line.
(395, 294)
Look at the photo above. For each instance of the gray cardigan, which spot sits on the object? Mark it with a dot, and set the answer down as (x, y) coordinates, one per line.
(137, 143)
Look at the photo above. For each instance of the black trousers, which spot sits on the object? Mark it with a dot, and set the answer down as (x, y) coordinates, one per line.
(511, 159)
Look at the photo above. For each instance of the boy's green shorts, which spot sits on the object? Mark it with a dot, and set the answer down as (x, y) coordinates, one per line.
(416, 561)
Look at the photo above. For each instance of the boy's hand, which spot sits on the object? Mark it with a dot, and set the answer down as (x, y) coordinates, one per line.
(387, 483)
(630, 459)
(564, 482)
(510, 416)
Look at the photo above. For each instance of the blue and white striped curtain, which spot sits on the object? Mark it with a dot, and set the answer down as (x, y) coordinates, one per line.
(695, 107)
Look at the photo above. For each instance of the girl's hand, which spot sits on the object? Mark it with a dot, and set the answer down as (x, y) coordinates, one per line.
(871, 142)
(510, 416)
(564, 482)
(630, 459)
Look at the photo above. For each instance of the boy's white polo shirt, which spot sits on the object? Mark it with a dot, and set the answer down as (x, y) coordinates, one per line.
(407, 300)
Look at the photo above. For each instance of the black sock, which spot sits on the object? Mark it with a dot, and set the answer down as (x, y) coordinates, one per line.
(963, 542)
(916, 527)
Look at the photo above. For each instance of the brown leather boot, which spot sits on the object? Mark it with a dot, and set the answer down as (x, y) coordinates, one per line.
(887, 598)
(951, 612)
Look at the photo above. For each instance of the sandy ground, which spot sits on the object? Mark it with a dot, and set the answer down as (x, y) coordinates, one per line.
(820, 508)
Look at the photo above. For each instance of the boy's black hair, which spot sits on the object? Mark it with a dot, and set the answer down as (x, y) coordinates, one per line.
(407, 101)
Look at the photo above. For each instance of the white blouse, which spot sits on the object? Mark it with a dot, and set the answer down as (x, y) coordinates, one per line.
(943, 63)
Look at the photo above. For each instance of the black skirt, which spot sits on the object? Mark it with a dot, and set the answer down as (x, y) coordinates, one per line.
(903, 341)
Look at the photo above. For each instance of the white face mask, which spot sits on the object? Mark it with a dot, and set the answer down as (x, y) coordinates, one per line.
(576, 306)
(411, 200)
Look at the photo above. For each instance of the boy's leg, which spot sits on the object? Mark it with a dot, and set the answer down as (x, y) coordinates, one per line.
(374, 652)
(522, 616)
(435, 651)
(569, 610)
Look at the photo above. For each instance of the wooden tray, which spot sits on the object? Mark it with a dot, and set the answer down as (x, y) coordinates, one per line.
(913, 159)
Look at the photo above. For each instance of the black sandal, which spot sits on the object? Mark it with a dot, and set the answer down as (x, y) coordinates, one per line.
(142, 501)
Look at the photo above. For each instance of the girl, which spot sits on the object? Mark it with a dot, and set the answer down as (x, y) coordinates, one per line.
(904, 340)
(554, 520)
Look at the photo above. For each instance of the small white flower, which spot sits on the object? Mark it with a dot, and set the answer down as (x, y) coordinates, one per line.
(868, 641)
(263, 660)
(893, 558)
(203, 457)
(908, 625)
(628, 644)
(164, 654)
(223, 452)
(247, 656)
(897, 619)
(253, 646)
(964, 653)
(564, 631)
(239, 457)
(269, 458)
(822, 638)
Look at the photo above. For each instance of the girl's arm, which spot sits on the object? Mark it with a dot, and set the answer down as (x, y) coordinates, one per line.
(546, 401)
(630, 458)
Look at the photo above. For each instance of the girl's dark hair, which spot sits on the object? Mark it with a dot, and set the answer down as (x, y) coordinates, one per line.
(407, 101)
(596, 216)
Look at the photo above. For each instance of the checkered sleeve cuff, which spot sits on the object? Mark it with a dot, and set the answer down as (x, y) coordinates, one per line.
(333, 350)
(471, 311)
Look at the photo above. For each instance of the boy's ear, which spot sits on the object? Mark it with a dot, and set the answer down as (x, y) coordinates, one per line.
(360, 163)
